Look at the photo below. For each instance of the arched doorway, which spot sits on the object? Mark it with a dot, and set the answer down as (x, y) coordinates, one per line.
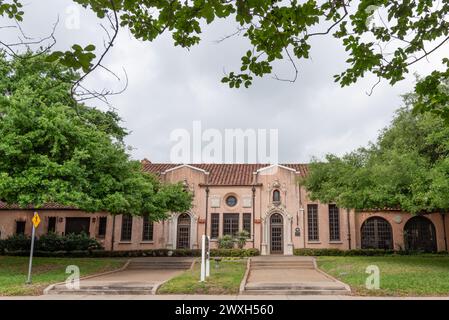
(376, 234)
(420, 235)
(276, 234)
(183, 232)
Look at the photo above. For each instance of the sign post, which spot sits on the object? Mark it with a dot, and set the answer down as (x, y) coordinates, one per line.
(36, 220)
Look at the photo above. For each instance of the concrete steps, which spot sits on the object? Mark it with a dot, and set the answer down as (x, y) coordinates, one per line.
(282, 264)
(127, 280)
(105, 289)
(271, 276)
(161, 263)
(296, 292)
(312, 288)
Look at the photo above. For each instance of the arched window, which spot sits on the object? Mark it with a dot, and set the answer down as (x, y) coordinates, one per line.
(276, 196)
(376, 234)
(419, 235)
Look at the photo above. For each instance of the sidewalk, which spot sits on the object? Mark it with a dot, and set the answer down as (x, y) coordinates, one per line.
(211, 297)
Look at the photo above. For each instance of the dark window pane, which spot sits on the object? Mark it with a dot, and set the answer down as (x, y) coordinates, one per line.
(51, 224)
(419, 235)
(147, 232)
(334, 223)
(215, 225)
(276, 196)
(77, 225)
(102, 222)
(20, 227)
(127, 226)
(312, 222)
(247, 222)
(376, 234)
(230, 223)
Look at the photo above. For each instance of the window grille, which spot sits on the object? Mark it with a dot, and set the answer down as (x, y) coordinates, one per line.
(376, 234)
(214, 225)
(127, 226)
(334, 223)
(312, 222)
(230, 223)
(147, 229)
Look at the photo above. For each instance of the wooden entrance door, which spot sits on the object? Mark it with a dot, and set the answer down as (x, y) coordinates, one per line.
(276, 234)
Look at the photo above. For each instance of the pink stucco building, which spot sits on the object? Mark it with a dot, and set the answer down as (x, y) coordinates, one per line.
(265, 200)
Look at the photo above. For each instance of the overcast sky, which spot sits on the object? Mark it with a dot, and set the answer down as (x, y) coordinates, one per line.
(170, 87)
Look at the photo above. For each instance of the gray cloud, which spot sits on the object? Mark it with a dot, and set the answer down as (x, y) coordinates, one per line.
(169, 87)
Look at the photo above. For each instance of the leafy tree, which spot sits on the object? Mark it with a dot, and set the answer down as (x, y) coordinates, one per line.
(407, 168)
(54, 150)
(409, 32)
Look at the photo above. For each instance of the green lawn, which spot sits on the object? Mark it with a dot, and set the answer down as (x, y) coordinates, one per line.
(426, 275)
(223, 280)
(13, 272)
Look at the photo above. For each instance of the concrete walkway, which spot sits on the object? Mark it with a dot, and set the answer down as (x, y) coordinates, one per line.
(140, 276)
(289, 275)
(145, 276)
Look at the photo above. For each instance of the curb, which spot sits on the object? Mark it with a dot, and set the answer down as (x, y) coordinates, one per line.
(159, 284)
(347, 287)
(245, 277)
(47, 289)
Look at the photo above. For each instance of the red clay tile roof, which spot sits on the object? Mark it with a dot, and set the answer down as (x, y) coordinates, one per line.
(223, 174)
(4, 206)
(219, 174)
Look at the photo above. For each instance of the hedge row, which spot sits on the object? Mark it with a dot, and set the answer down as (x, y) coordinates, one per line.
(138, 253)
(354, 252)
(50, 242)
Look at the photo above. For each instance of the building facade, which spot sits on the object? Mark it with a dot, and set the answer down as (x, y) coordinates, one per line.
(264, 200)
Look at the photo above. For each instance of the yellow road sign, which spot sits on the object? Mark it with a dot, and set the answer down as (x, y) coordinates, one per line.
(36, 220)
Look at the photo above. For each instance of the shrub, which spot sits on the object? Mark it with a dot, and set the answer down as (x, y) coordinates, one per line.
(138, 253)
(50, 243)
(16, 242)
(80, 242)
(226, 242)
(353, 252)
(234, 252)
(241, 238)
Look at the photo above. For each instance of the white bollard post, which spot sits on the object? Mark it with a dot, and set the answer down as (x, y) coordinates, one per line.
(203, 258)
(208, 258)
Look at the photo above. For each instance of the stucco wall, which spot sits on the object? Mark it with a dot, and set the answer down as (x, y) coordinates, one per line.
(8, 220)
(293, 200)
